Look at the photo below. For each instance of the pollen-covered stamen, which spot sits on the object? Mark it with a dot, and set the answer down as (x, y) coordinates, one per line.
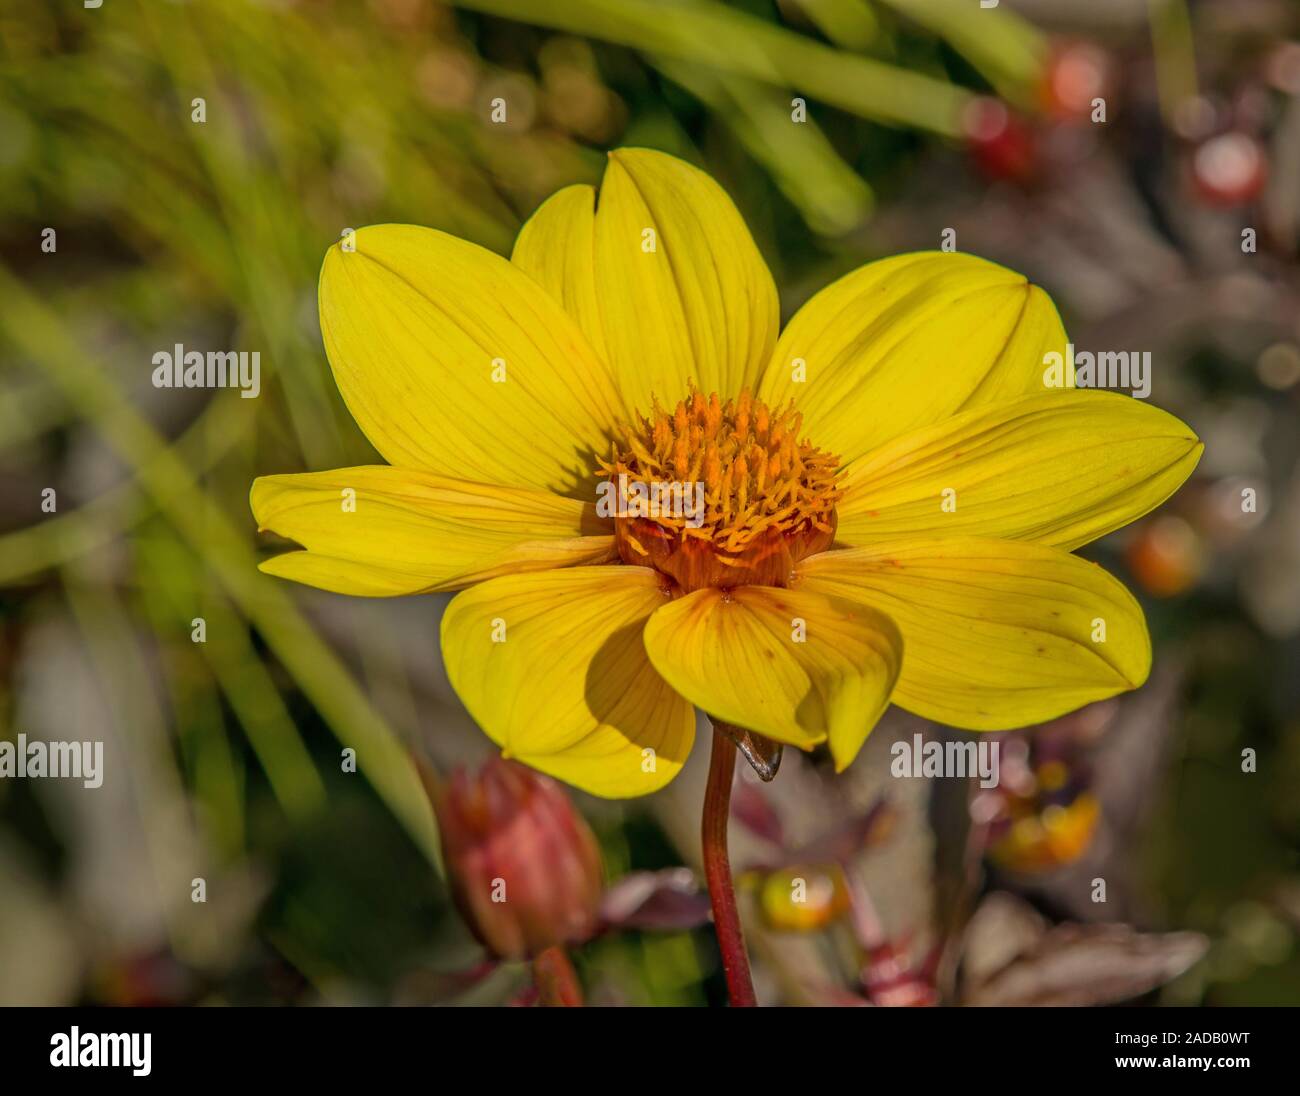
(718, 494)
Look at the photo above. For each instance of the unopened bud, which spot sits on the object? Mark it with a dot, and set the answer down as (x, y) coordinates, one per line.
(523, 865)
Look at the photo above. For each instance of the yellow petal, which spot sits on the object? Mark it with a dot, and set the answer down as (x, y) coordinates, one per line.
(556, 247)
(684, 293)
(381, 532)
(794, 665)
(552, 666)
(453, 360)
(1050, 470)
(998, 633)
(908, 341)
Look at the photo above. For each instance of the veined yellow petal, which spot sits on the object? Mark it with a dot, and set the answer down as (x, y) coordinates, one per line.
(684, 293)
(908, 341)
(998, 633)
(1055, 471)
(381, 532)
(797, 666)
(552, 666)
(556, 247)
(453, 360)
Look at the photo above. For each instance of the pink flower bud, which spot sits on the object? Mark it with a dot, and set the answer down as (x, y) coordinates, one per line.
(523, 865)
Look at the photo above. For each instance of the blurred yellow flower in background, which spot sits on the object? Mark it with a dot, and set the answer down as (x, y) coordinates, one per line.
(889, 492)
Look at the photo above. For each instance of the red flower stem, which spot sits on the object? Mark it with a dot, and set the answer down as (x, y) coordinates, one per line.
(717, 871)
(556, 980)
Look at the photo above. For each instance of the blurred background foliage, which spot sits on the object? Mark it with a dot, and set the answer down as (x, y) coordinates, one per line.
(223, 757)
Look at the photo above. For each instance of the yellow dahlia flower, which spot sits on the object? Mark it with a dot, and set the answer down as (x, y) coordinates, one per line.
(888, 492)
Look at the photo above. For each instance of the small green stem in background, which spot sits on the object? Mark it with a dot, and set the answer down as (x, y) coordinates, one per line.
(717, 871)
(1175, 55)
(36, 331)
(556, 980)
(721, 38)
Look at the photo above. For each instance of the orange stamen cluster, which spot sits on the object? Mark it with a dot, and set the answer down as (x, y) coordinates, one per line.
(769, 496)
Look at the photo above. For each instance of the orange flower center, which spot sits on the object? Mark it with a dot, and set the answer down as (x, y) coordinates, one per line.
(714, 494)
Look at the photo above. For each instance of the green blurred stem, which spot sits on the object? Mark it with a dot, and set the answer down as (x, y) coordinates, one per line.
(207, 757)
(38, 334)
(243, 679)
(65, 536)
(710, 34)
(1007, 50)
(832, 197)
(1175, 55)
(851, 24)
